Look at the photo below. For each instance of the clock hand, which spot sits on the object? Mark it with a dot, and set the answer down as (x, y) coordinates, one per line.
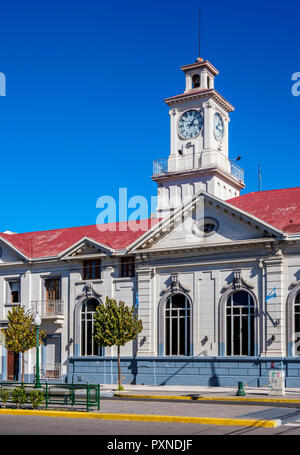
(193, 121)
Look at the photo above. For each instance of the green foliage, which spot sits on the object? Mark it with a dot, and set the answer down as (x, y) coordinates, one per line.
(4, 395)
(20, 335)
(36, 398)
(115, 324)
(19, 396)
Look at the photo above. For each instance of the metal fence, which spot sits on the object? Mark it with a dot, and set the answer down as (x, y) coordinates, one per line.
(237, 171)
(160, 166)
(47, 308)
(49, 371)
(87, 395)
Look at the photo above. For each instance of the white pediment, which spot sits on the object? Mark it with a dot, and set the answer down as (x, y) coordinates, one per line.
(227, 223)
(191, 232)
(8, 253)
(84, 248)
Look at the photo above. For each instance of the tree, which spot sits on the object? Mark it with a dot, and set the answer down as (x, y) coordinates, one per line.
(115, 325)
(20, 335)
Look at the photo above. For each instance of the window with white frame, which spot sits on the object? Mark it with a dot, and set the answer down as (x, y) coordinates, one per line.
(240, 324)
(88, 345)
(297, 323)
(14, 291)
(177, 325)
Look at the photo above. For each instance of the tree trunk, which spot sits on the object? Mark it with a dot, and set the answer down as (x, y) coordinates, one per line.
(119, 368)
(23, 366)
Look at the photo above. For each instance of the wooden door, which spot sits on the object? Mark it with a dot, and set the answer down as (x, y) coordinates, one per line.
(52, 294)
(12, 366)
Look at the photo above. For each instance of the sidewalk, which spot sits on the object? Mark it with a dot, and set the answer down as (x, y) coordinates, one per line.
(201, 391)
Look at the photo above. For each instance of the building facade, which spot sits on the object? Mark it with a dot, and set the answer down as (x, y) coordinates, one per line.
(215, 276)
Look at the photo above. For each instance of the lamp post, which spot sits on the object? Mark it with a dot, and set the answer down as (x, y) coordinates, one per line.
(37, 323)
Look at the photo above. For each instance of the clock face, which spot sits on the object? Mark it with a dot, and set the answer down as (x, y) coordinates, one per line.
(218, 127)
(190, 124)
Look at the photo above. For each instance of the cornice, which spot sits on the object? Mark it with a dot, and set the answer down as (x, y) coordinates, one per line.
(240, 244)
(199, 94)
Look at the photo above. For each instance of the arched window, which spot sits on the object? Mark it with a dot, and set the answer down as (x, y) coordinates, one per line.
(240, 324)
(297, 323)
(196, 81)
(177, 325)
(88, 345)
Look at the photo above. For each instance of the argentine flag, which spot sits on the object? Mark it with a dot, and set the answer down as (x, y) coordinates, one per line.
(271, 294)
(136, 300)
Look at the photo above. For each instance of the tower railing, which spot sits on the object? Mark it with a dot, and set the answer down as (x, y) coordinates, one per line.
(160, 167)
(237, 171)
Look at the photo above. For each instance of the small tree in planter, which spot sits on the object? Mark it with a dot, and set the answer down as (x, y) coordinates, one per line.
(115, 325)
(4, 395)
(20, 335)
(36, 398)
(19, 396)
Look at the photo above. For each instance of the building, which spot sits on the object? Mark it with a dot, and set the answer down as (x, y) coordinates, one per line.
(215, 276)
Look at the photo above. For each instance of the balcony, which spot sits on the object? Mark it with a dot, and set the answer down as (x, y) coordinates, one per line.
(237, 171)
(52, 310)
(49, 371)
(160, 167)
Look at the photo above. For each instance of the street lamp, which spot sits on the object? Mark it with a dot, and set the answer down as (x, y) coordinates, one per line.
(37, 322)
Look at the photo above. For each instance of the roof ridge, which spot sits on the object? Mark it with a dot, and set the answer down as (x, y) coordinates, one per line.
(71, 227)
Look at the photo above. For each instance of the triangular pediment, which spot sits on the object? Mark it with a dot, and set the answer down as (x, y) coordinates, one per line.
(203, 221)
(84, 248)
(9, 253)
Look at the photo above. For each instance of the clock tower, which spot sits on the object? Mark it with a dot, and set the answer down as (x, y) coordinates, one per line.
(198, 157)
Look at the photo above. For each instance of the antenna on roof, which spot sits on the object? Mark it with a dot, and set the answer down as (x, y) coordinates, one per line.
(259, 178)
(199, 30)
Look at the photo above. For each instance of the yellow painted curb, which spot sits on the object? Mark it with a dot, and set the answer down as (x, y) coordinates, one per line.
(146, 418)
(180, 397)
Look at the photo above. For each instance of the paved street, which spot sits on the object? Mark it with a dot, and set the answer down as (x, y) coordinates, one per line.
(199, 409)
(29, 425)
(40, 425)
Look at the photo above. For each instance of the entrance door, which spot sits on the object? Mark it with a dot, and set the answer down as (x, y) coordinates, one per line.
(52, 367)
(12, 366)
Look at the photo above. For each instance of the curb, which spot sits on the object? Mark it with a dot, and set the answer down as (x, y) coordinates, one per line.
(189, 398)
(146, 418)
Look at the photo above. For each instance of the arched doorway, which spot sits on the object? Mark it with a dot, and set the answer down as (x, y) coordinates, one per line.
(177, 319)
(240, 328)
(88, 347)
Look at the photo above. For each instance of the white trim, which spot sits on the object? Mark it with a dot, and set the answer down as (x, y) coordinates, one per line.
(185, 207)
(7, 243)
(74, 247)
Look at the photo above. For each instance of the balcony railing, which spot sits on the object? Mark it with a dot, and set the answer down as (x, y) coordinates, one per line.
(50, 371)
(237, 171)
(46, 309)
(160, 167)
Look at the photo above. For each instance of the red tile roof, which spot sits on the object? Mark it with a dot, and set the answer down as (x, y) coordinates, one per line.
(51, 243)
(280, 208)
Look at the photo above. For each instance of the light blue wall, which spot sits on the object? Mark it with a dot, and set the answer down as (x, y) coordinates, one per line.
(204, 371)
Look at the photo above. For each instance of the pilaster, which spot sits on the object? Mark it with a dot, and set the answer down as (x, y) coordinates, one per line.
(145, 311)
(274, 308)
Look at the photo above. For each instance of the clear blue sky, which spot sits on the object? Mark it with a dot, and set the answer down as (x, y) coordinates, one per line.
(86, 79)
